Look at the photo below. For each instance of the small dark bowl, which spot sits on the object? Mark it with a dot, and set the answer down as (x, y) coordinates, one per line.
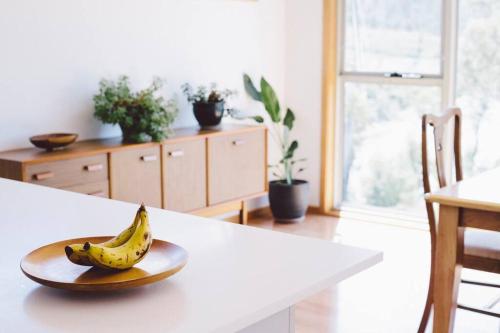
(53, 141)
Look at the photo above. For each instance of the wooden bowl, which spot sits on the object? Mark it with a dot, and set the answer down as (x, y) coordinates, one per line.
(49, 266)
(53, 140)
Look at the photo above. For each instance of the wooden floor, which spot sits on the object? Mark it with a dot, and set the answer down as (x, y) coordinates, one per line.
(388, 297)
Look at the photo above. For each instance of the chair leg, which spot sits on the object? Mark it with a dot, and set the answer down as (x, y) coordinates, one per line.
(428, 304)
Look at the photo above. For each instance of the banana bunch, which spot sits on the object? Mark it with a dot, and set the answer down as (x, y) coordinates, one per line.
(120, 252)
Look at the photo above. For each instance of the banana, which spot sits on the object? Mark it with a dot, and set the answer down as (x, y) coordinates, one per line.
(126, 255)
(77, 255)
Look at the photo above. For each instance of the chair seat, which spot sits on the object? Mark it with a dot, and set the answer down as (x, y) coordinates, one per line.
(482, 243)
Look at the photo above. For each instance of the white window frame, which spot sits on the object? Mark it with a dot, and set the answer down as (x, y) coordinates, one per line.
(445, 80)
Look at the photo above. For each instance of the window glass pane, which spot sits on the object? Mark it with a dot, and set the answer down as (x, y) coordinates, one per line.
(382, 150)
(393, 36)
(478, 83)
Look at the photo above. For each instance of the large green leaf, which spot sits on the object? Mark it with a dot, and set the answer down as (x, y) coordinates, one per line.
(270, 101)
(291, 150)
(289, 119)
(250, 88)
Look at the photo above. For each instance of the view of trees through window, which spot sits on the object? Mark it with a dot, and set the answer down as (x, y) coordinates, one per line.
(381, 135)
(478, 83)
(382, 144)
(393, 36)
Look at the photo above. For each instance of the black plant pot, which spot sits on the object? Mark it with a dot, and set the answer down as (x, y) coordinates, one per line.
(289, 202)
(208, 115)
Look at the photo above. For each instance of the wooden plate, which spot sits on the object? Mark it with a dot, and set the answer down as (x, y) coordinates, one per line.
(49, 266)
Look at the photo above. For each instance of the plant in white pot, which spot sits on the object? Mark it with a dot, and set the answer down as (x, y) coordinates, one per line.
(288, 196)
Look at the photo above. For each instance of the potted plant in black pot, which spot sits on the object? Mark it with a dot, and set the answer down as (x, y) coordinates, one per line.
(288, 196)
(142, 116)
(208, 104)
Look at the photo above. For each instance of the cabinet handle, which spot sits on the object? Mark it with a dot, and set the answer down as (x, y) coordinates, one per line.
(149, 158)
(43, 175)
(93, 167)
(176, 153)
(97, 193)
(238, 142)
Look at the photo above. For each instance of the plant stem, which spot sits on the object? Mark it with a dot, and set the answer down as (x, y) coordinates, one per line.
(286, 162)
(277, 132)
(276, 139)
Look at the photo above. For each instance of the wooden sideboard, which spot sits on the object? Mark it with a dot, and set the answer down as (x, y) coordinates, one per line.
(201, 172)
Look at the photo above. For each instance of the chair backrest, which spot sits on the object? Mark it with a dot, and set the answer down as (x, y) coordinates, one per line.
(439, 125)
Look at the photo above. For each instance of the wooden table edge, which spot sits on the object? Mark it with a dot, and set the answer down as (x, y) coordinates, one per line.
(462, 203)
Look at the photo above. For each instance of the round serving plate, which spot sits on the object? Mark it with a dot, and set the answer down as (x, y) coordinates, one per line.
(48, 265)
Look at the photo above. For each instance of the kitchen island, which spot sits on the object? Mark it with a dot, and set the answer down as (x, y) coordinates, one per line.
(237, 279)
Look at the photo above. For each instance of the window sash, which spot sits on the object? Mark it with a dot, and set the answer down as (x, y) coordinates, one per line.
(341, 49)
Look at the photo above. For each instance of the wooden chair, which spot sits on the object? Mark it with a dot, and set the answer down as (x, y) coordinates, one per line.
(481, 248)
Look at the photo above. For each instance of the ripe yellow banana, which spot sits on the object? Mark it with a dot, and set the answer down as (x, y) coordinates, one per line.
(127, 254)
(77, 255)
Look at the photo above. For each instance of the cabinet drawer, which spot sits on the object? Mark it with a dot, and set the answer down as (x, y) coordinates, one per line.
(71, 172)
(236, 165)
(184, 172)
(99, 189)
(135, 176)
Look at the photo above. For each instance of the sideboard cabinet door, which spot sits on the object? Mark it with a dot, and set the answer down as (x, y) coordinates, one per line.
(236, 165)
(135, 175)
(184, 175)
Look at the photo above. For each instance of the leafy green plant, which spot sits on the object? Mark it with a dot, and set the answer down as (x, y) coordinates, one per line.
(143, 116)
(280, 129)
(206, 95)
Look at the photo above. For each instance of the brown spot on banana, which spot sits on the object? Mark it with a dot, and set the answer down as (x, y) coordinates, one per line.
(68, 250)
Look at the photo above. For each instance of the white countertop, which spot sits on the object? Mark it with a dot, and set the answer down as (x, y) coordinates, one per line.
(235, 275)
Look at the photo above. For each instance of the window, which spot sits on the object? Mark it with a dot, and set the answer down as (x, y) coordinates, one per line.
(398, 60)
(390, 74)
(392, 36)
(478, 83)
(382, 144)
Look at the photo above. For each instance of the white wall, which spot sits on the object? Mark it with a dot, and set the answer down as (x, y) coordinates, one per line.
(54, 52)
(303, 68)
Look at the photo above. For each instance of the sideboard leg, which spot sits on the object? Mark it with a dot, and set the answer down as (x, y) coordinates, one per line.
(243, 212)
